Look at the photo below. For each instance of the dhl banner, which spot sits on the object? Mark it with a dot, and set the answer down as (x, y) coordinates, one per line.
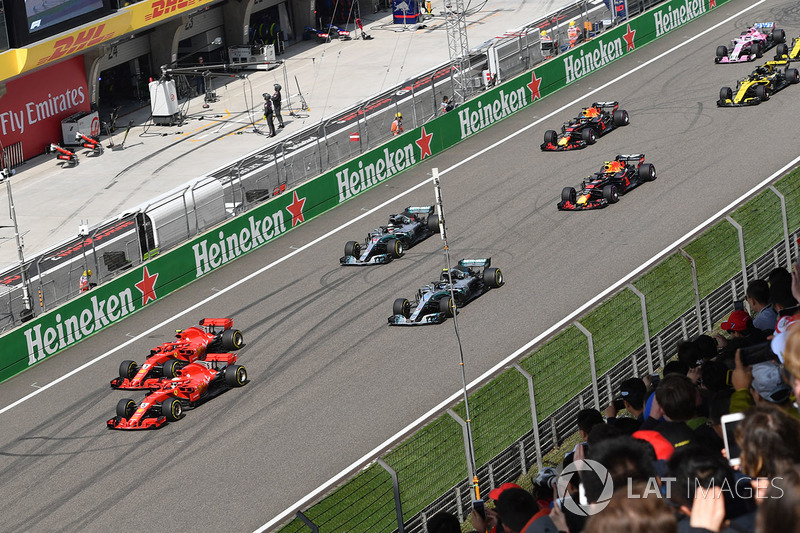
(127, 20)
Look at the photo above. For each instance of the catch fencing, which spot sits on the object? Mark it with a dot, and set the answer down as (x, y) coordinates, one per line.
(112, 247)
(529, 408)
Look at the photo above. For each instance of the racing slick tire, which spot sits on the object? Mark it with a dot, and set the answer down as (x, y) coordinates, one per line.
(395, 248)
(781, 50)
(726, 93)
(568, 194)
(761, 92)
(550, 137)
(755, 50)
(433, 223)
(172, 409)
(621, 118)
(611, 194)
(446, 306)
(235, 376)
(792, 75)
(232, 339)
(128, 369)
(170, 367)
(352, 248)
(493, 277)
(125, 408)
(722, 51)
(589, 136)
(647, 172)
(401, 306)
(778, 36)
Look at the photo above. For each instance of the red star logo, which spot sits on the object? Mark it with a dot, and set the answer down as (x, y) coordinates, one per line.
(629, 38)
(424, 143)
(147, 286)
(296, 209)
(534, 87)
(712, 4)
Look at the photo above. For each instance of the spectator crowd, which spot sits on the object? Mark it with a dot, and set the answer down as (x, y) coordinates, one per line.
(711, 444)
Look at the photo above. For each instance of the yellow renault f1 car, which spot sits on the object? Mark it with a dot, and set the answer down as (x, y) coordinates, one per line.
(783, 52)
(765, 81)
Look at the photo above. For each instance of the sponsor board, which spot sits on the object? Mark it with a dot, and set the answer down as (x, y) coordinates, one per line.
(34, 105)
(131, 292)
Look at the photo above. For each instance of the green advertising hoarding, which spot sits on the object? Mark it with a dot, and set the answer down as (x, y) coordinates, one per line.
(56, 330)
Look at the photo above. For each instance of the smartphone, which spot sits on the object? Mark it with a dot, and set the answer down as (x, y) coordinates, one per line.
(619, 404)
(479, 508)
(729, 423)
(738, 305)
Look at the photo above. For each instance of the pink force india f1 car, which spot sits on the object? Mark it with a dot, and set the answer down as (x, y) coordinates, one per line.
(751, 44)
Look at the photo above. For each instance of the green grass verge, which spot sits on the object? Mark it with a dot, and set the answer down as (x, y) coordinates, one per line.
(616, 328)
(429, 463)
(762, 224)
(789, 186)
(364, 503)
(716, 253)
(559, 368)
(668, 291)
(501, 414)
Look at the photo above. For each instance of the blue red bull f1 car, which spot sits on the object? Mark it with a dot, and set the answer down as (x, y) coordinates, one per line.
(583, 130)
(435, 303)
(616, 177)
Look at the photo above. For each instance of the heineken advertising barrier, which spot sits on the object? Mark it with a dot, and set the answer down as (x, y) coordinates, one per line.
(56, 330)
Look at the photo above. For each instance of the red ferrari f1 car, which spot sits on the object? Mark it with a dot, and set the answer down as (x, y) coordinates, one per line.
(616, 177)
(194, 383)
(213, 336)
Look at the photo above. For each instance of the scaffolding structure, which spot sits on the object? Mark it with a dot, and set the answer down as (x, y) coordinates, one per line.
(456, 25)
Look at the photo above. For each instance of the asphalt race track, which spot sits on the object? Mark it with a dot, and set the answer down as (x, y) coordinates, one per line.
(329, 379)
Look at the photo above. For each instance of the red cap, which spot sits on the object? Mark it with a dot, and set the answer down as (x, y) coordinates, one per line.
(738, 321)
(662, 446)
(495, 493)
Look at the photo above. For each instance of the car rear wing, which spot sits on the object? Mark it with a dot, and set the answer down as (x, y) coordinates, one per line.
(630, 158)
(419, 210)
(224, 323)
(612, 105)
(475, 262)
(763, 25)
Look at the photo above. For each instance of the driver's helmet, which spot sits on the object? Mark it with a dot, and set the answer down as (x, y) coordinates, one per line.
(607, 166)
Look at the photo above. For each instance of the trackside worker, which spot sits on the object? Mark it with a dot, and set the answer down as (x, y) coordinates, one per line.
(397, 124)
(276, 104)
(572, 33)
(269, 114)
(83, 282)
